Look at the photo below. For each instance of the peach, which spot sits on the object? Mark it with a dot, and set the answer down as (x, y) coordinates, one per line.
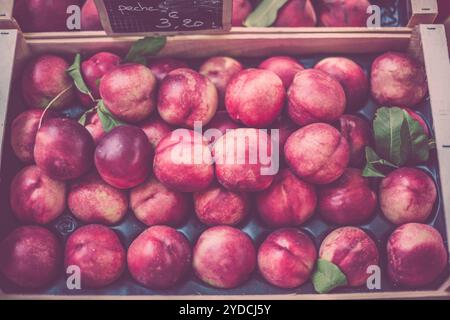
(343, 13)
(23, 133)
(42, 15)
(286, 258)
(220, 70)
(288, 202)
(241, 9)
(255, 97)
(92, 200)
(99, 254)
(155, 204)
(358, 133)
(219, 206)
(44, 79)
(123, 157)
(416, 255)
(349, 200)
(417, 117)
(185, 97)
(352, 251)
(30, 257)
(398, 80)
(296, 13)
(128, 92)
(95, 127)
(224, 257)
(161, 67)
(407, 195)
(64, 149)
(183, 161)
(155, 129)
(351, 76)
(317, 153)
(315, 96)
(284, 67)
(159, 257)
(239, 163)
(285, 128)
(35, 197)
(221, 122)
(90, 19)
(94, 68)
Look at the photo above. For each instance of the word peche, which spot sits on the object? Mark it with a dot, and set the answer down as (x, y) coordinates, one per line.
(164, 23)
(138, 8)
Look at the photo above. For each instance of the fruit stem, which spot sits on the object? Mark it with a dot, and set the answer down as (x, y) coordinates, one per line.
(50, 104)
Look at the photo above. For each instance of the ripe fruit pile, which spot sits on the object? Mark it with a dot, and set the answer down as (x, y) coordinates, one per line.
(300, 13)
(120, 156)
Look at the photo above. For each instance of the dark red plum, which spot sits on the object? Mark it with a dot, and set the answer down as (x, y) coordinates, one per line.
(124, 156)
(349, 200)
(64, 149)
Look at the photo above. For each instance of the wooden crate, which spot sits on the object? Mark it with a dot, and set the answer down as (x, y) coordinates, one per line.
(418, 11)
(427, 43)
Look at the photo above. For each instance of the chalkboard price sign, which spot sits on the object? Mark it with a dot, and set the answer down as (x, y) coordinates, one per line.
(164, 16)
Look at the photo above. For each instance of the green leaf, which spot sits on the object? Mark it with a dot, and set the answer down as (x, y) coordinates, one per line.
(373, 164)
(371, 172)
(418, 143)
(390, 136)
(265, 14)
(327, 277)
(106, 118)
(373, 158)
(83, 118)
(75, 73)
(143, 48)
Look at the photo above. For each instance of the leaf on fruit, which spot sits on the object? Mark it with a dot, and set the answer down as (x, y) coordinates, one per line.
(83, 119)
(84, 116)
(327, 277)
(389, 131)
(265, 14)
(399, 138)
(374, 164)
(141, 49)
(106, 118)
(75, 73)
(419, 148)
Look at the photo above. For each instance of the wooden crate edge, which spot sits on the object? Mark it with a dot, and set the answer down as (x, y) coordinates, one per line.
(422, 12)
(428, 48)
(437, 64)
